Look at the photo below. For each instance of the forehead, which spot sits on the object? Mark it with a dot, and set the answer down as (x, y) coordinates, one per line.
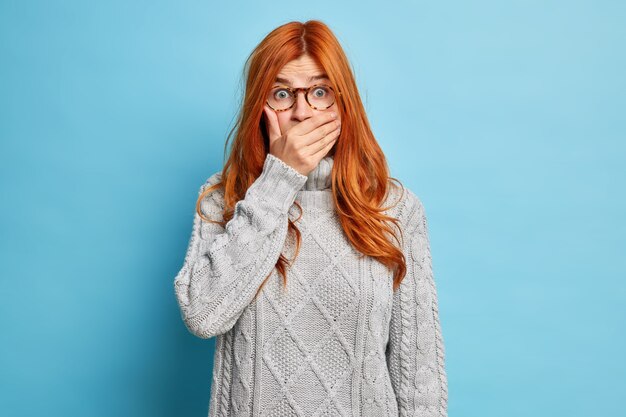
(301, 70)
(304, 80)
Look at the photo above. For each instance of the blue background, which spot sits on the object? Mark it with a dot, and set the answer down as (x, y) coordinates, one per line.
(506, 118)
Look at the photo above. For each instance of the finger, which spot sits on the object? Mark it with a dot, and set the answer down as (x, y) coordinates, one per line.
(324, 144)
(307, 126)
(320, 132)
(271, 121)
(324, 151)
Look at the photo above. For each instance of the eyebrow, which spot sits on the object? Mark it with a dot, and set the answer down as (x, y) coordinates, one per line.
(311, 78)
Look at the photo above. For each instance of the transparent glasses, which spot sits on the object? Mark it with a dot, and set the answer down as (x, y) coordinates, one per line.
(318, 96)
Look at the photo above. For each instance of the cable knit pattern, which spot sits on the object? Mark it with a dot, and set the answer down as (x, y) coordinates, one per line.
(337, 341)
(416, 352)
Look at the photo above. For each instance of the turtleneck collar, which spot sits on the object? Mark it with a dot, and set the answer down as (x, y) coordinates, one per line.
(319, 178)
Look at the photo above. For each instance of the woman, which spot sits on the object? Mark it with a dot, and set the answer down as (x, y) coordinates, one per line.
(311, 268)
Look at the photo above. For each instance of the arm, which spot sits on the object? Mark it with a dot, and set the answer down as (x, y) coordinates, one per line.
(224, 266)
(415, 351)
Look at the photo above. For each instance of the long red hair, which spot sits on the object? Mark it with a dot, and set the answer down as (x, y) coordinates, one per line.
(360, 178)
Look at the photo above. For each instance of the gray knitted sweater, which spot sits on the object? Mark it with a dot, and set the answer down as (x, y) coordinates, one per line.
(338, 341)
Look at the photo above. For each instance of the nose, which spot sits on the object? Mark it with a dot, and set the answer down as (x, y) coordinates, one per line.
(302, 110)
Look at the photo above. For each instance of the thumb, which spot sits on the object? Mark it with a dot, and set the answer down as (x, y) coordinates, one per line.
(271, 121)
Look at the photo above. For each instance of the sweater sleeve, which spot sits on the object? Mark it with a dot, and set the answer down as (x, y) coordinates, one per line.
(415, 350)
(224, 266)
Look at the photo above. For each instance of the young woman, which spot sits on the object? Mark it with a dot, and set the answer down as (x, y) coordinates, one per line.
(311, 268)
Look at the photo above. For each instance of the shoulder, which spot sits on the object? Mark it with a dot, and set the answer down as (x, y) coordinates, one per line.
(214, 198)
(215, 178)
(405, 204)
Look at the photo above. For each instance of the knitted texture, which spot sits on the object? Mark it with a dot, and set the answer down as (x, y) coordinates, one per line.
(337, 341)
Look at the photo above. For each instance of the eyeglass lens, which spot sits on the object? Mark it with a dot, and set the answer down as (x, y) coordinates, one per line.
(320, 97)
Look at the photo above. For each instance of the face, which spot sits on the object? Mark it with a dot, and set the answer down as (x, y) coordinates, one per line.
(302, 72)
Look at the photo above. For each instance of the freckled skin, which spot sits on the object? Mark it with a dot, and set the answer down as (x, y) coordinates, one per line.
(299, 70)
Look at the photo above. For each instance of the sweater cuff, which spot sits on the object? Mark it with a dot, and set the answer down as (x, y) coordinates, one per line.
(278, 183)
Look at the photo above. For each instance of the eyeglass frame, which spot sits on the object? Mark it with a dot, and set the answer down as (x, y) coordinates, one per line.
(294, 92)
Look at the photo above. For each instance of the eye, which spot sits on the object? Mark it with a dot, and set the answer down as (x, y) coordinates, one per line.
(320, 92)
(281, 93)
